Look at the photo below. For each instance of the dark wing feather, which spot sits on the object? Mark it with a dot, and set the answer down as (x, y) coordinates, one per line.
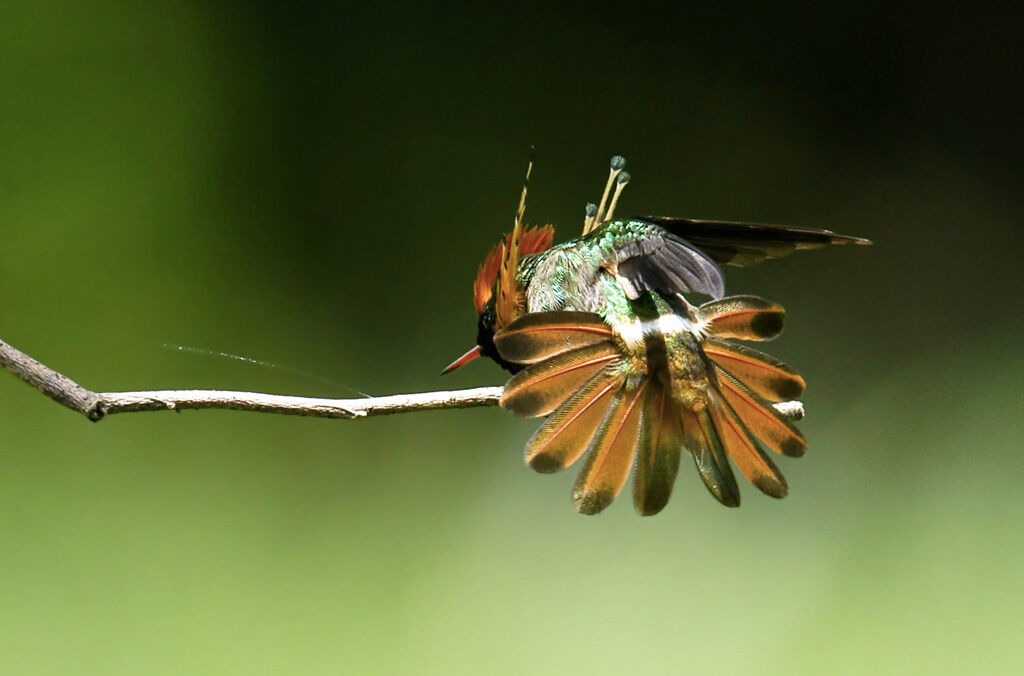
(741, 244)
(662, 262)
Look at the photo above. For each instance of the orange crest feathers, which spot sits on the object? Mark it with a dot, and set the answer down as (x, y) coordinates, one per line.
(533, 240)
(537, 238)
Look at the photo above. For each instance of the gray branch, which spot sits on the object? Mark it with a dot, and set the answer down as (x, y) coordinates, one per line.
(96, 405)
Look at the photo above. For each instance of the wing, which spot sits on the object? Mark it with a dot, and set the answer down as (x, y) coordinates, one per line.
(741, 244)
(649, 257)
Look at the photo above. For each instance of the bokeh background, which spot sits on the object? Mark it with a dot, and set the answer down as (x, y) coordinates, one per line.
(314, 186)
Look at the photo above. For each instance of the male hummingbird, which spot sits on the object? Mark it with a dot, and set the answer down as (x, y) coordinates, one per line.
(602, 340)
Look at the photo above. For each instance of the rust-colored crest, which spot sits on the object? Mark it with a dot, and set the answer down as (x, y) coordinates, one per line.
(534, 240)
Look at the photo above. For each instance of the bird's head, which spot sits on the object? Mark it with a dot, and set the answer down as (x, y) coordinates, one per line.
(497, 297)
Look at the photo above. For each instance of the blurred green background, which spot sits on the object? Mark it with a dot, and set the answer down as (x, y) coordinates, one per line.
(315, 185)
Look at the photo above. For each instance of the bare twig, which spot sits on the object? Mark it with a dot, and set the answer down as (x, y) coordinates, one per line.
(96, 405)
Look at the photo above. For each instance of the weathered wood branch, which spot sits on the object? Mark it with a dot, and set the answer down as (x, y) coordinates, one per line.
(97, 405)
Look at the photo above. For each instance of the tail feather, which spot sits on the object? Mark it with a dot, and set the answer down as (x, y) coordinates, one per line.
(765, 375)
(761, 418)
(709, 455)
(744, 318)
(567, 432)
(744, 449)
(611, 452)
(538, 336)
(661, 443)
(545, 386)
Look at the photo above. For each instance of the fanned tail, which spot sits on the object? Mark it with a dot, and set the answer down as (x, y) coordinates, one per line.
(621, 418)
(576, 376)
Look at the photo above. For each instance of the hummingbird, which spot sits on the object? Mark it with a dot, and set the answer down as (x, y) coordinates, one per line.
(604, 336)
